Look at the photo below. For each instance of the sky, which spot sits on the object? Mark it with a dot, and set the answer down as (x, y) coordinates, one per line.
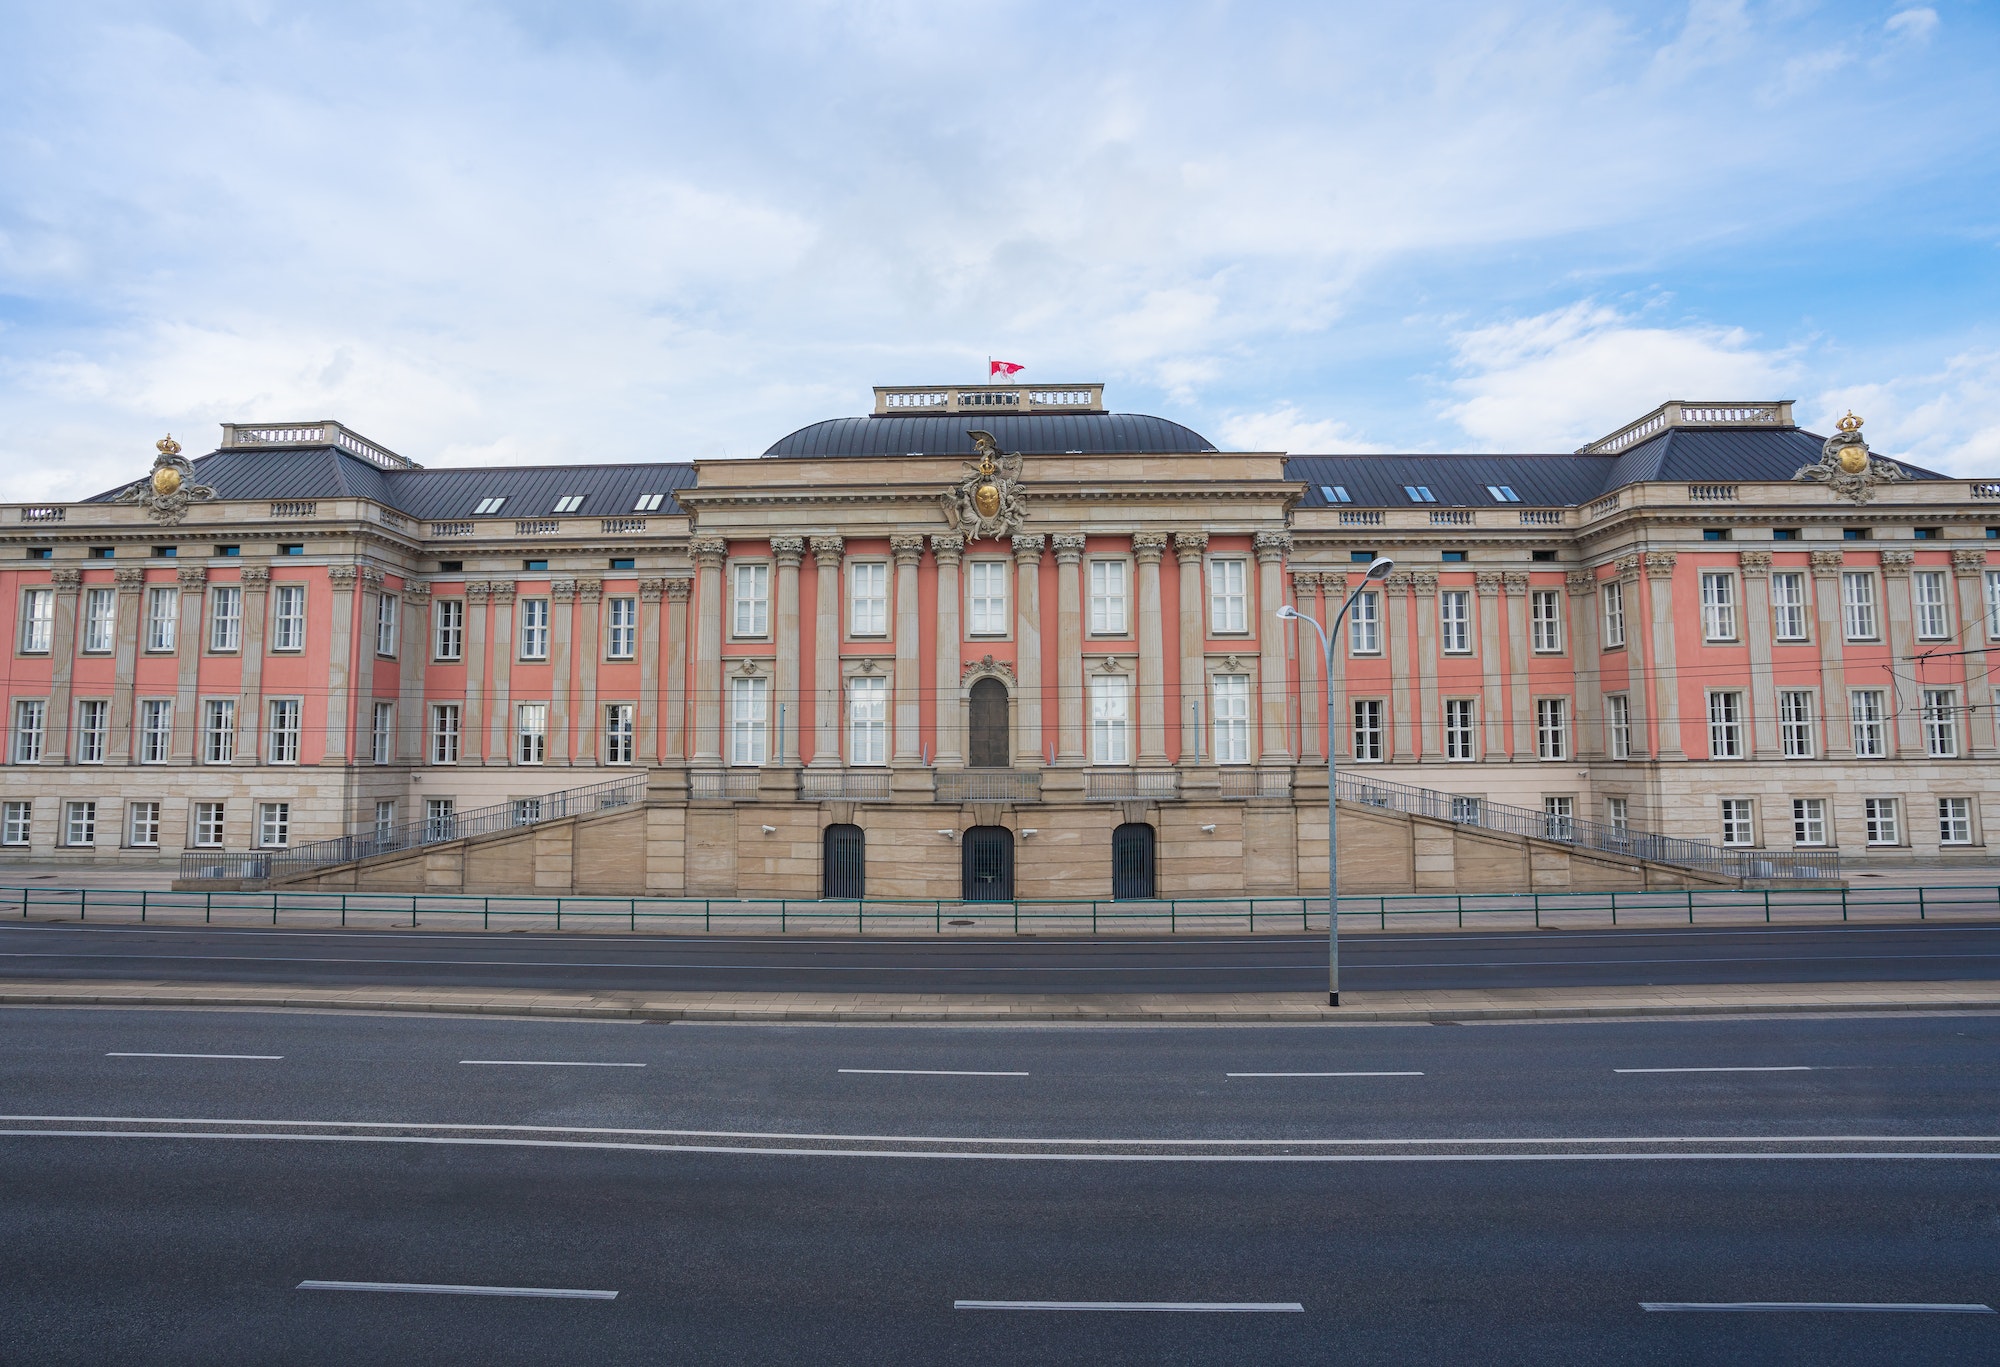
(566, 231)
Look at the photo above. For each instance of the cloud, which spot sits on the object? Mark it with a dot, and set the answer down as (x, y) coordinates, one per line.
(1914, 24)
(1946, 420)
(1556, 380)
(1284, 428)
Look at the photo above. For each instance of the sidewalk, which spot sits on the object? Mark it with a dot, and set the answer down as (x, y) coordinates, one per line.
(1548, 1003)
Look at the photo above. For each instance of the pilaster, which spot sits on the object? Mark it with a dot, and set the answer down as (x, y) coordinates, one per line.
(1587, 735)
(1429, 726)
(1665, 659)
(1147, 550)
(907, 746)
(506, 649)
(589, 655)
(1273, 678)
(948, 551)
(130, 582)
(1069, 649)
(1028, 647)
(413, 643)
(1898, 608)
(827, 688)
(478, 669)
(249, 712)
(562, 632)
(789, 552)
(188, 638)
(1756, 571)
(1195, 702)
(1521, 740)
(1312, 705)
(1404, 715)
(709, 552)
(1826, 568)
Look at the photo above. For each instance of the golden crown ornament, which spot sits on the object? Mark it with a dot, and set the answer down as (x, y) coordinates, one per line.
(169, 487)
(1847, 467)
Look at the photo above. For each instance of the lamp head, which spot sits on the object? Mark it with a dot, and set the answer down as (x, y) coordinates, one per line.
(1288, 613)
(1380, 568)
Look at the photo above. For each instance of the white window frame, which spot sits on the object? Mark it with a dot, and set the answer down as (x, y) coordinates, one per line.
(1930, 595)
(1725, 723)
(1868, 720)
(534, 632)
(1109, 582)
(382, 733)
(284, 718)
(1110, 719)
(446, 732)
(621, 628)
(80, 823)
(100, 621)
(1455, 621)
(1940, 718)
(868, 598)
(17, 822)
(1809, 821)
(1229, 707)
(1859, 615)
(1545, 621)
(1228, 596)
(621, 732)
(1718, 606)
(750, 600)
(447, 629)
(1739, 822)
(1364, 625)
(288, 618)
(1882, 821)
(163, 616)
(225, 619)
(1798, 724)
(388, 625)
(1618, 815)
(38, 621)
(440, 818)
(1790, 619)
(218, 731)
(142, 825)
(1993, 605)
(1613, 592)
(1954, 821)
(210, 825)
(1461, 729)
(93, 730)
(531, 733)
(1370, 730)
(1559, 817)
(274, 825)
(385, 819)
(868, 720)
(156, 730)
(987, 584)
(1552, 728)
(749, 719)
(1618, 725)
(31, 730)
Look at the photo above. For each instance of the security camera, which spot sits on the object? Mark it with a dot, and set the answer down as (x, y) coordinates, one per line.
(1209, 829)
(1028, 831)
(770, 830)
(949, 835)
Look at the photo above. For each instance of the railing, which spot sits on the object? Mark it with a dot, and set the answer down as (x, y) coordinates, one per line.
(265, 865)
(930, 399)
(1590, 835)
(843, 785)
(1452, 517)
(453, 528)
(1062, 398)
(1711, 493)
(618, 526)
(537, 527)
(1608, 503)
(1980, 490)
(300, 434)
(724, 785)
(1243, 784)
(295, 509)
(392, 519)
(44, 514)
(1541, 517)
(1356, 517)
(1675, 413)
(1113, 785)
(987, 785)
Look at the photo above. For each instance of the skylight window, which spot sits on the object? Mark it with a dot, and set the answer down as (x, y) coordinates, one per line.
(649, 503)
(568, 503)
(489, 506)
(1335, 493)
(1503, 493)
(1420, 493)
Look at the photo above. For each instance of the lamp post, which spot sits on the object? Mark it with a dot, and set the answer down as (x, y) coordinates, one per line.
(1378, 570)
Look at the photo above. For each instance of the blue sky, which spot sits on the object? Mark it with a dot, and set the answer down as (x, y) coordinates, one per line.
(564, 231)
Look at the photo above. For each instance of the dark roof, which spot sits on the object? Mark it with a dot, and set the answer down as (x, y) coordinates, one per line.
(1035, 434)
(1695, 456)
(283, 473)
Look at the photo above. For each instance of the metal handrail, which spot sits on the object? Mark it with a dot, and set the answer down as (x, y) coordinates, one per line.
(264, 865)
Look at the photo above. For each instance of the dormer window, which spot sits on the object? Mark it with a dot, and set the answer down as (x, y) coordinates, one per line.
(1335, 493)
(1420, 493)
(568, 503)
(487, 507)
(649, 503)
(1503, 493)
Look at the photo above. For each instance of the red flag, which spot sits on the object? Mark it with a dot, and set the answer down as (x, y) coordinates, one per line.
(1002, 368)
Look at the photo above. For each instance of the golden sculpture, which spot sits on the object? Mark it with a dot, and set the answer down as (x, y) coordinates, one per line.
(1847, 467)
(166, 492)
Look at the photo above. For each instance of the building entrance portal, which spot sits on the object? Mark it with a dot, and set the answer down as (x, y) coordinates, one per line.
(1132, 859)
(988, 871)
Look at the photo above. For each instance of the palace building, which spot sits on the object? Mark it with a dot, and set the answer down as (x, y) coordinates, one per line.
(1000, 642)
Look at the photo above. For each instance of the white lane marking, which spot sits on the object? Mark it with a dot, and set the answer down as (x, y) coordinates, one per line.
(1075, 1142)
(267, 1057)
(1180, 1307)
(931, 1072)
(543, 1063)
(1782, 1068)
(425, 1288)
(746, 1151)
(1880, 1307)
(1322, 1074)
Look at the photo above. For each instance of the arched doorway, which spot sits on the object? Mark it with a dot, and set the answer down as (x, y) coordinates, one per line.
(989, 737)
(1132, 851)
(987, 872)
(843, 869)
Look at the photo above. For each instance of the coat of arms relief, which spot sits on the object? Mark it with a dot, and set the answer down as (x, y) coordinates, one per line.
(1846, 466)
(166, 492)
(989, 500)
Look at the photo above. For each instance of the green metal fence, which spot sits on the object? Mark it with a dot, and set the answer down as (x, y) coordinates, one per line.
(936, 914)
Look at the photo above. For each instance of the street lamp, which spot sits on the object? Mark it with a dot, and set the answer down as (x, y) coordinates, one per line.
(1378, 570)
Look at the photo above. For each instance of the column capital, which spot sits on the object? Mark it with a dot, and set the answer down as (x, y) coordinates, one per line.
(1068, 549)
(191, 576)
(1626, 566)
(1307, 580)
(502, 591)
(1190, 543)
(708, 550)
(128, 578)
(589, 590)
(259, 576)
(478, 590)
(371, 575)
(949, 548)
(1660, 564)
(1148, 547)
(789, 551)
(1754, 564)
(1514, 583)
(563, 590)
(1966, 561)
(649, 589)
(1897, 563)
(1271, 546)
(827, 551)
(1028, 549)
(678, 590)
(908, 550)
(1424, 581)
(66, 580)
(1487, 582)
(1581, 581)
(343, 577)
(1399, 580)
(417, 591)
(1828, 563)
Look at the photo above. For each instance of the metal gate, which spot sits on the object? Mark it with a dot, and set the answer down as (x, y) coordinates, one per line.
(988, 871)
(843, 862)
(1132, 861)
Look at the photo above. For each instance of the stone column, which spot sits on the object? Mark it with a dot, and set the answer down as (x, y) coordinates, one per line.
(1028, 648)
(1969, 567)
(130, 581)
(68, 585)
(1147, 549)
(1905, 699)
(340, 681)
(1069, 649)
(1826, 568)
(1430, 716)
(788, 552)
(908, 552)
(506, 646)
(1188, 549)
(1520, 706)
(1312, 704)
(1396, 636)
(948, 551)
(478, 646)
(249, 718)
(188, 645)
(1492, 707)
(646, 715)
(680, 593)
(562, 630)
(413, 646)
(589, 616)
(1664, 654)
(709, 552)
(827, 688)
(1271, 549)
(1587, 732)
(1756, 575)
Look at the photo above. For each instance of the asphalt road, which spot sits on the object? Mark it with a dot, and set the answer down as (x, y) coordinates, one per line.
(832, 1194)
(1265, 963)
